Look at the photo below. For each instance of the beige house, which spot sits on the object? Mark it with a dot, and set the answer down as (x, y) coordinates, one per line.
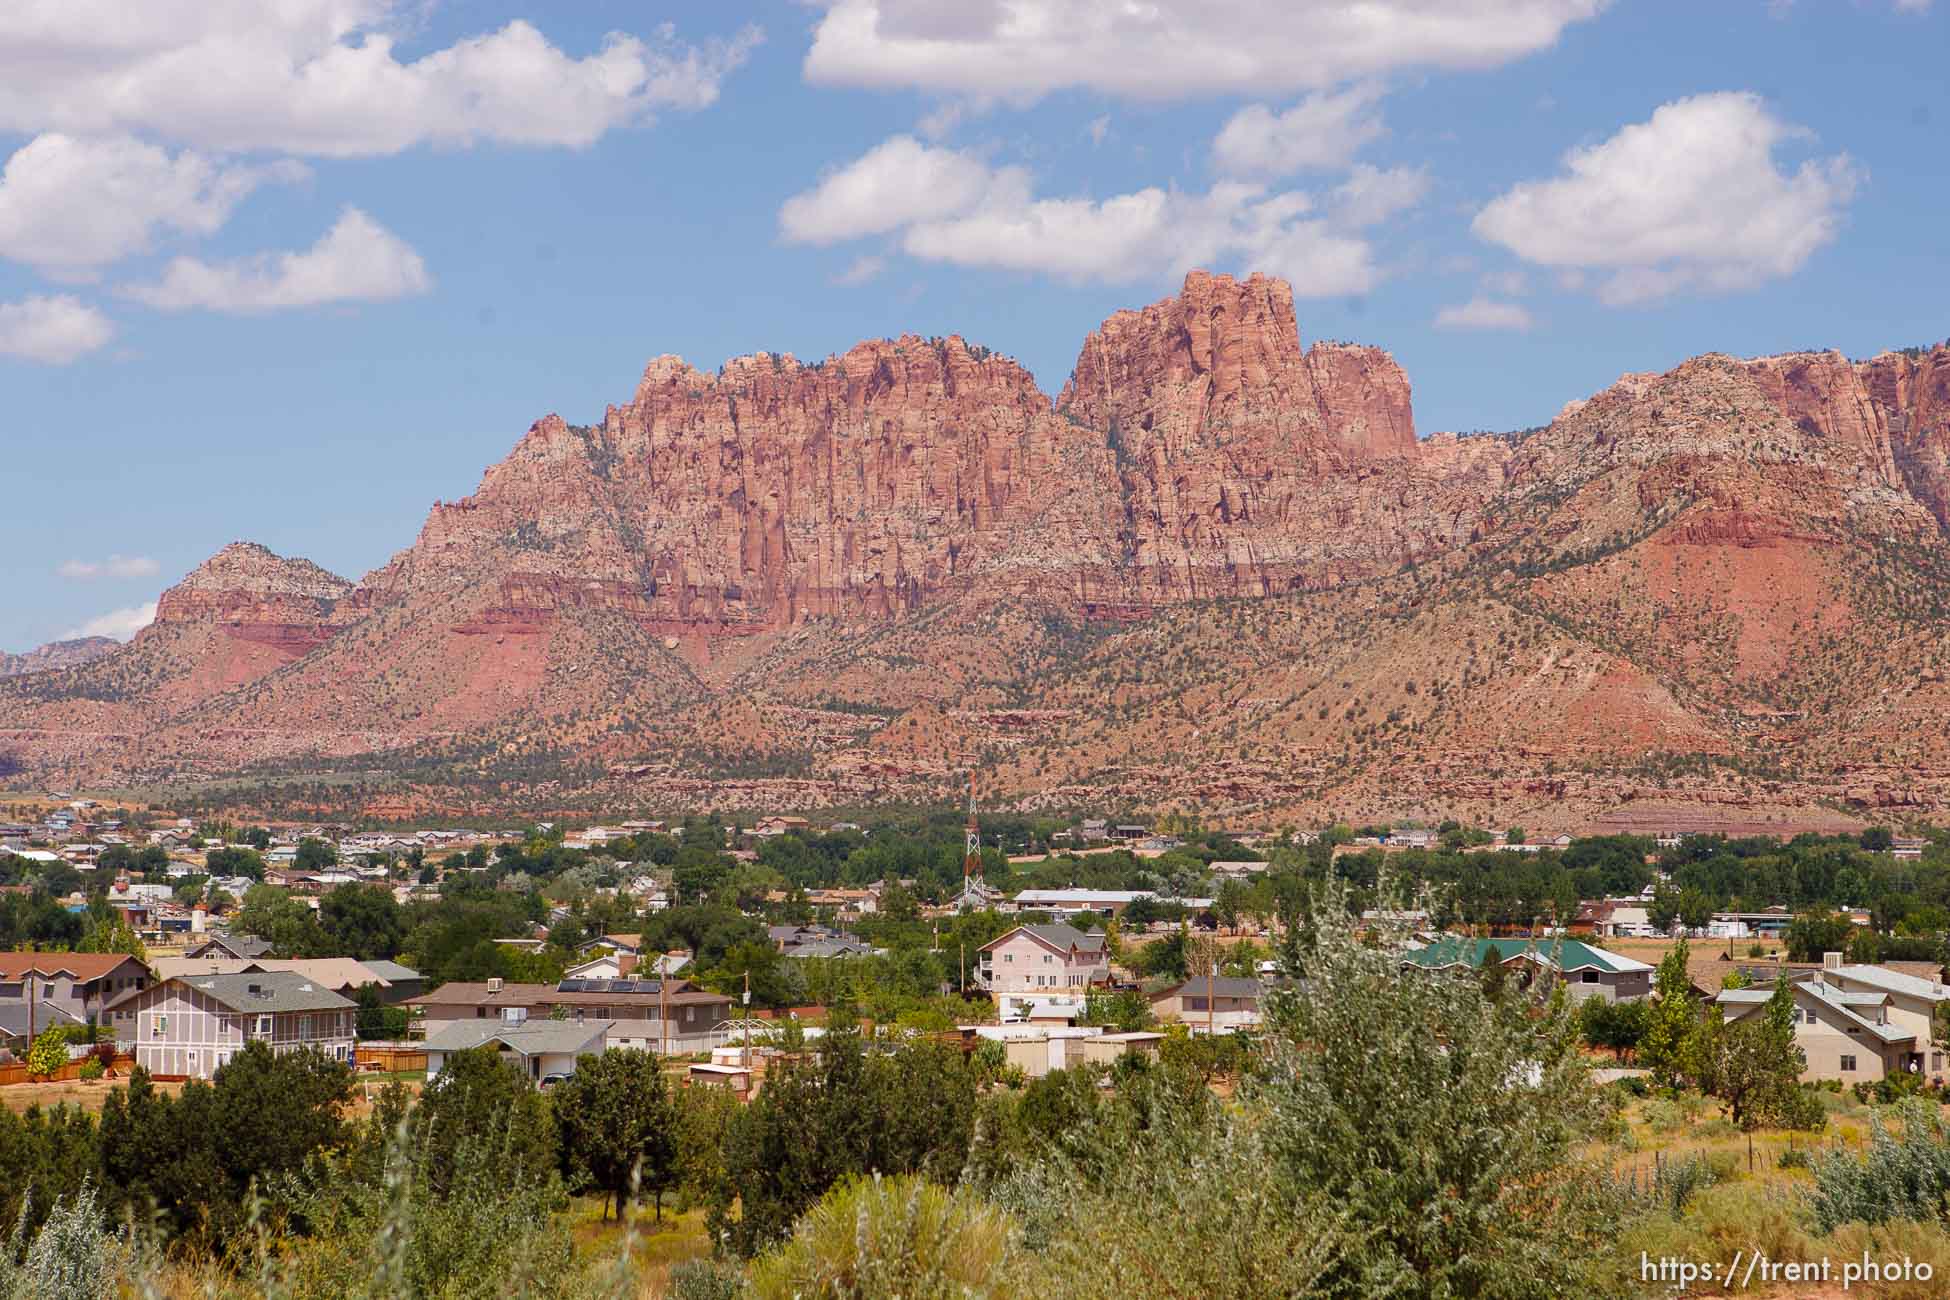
(1911, 1006)
(1223, 1002)
(1847, 1035)
(1043, 959)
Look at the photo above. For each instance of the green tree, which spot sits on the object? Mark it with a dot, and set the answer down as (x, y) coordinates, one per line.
(1495, 977)
(1753, 1065)
(1670, 1022)
(48, 1052)
(1811, 934)
(617, 1127)
(1664, 908)
(315, 855)
(479, 1098)
(363, 922)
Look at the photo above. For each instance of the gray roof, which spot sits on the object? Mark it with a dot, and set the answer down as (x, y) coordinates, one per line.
(1067, 937)
(13, 1017)
(1223, 986)
(1850, 1006)
(1895, 982)
(530, 1038)
(268, 991)
(391, 971)
(239, 945)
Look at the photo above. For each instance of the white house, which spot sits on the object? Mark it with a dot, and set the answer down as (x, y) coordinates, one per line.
(540, 1048)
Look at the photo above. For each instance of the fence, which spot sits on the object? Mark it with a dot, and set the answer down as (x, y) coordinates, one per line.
(393, 1058)
(17, 1072)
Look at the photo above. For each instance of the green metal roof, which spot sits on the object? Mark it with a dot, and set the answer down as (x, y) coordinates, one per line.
(1563, 955)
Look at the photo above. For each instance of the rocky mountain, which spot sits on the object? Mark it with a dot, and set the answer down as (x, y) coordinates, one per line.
(1220, 566)
(57, 654)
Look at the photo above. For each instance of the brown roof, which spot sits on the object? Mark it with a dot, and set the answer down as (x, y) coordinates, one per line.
(1707, 969)
(83, 966)
(680, 993)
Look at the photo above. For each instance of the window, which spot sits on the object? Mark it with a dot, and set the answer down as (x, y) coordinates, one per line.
(1848, 1064)
(1047, 959)
(1008, 957)
(264, 1024)
(161, 1024)
(1591, 977)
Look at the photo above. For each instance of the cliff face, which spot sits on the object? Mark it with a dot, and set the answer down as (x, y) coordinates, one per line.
(752, 569)
(57, 654)
(254, 595)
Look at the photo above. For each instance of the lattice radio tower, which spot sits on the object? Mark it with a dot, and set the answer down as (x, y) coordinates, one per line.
(971, 862)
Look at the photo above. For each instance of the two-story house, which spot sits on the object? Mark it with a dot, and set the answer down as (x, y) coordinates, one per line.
(1911, 1008)
(39, 988)
(191, 1026)
(1846, 1035)
(1032, 959)
(648, 1014)
(1221, 1002)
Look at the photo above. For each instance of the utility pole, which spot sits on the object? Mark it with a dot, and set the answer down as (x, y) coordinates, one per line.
(663, 1007)
(746, 1060)
(1212, 976)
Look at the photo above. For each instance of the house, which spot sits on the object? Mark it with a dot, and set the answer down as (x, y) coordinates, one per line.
(1771, 923)
(21, 1022)
(189, 1027)
(342, 975)
(1912, 1005)
(1907, 848)
(80, 984)
(1104, 1049)
(1846, 1035)
(636, 1008)
(225, 944)
(1043, 959)
(1222, 1002)
(539, 1048)
(1588, 971)
(1069, 902)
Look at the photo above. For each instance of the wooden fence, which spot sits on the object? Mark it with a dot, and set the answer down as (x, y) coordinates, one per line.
(17, 1072)
(391, 1058)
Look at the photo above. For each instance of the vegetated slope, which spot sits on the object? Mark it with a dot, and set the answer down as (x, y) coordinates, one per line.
(1219, 568)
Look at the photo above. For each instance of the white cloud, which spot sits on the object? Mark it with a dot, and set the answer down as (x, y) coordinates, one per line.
(69, 205)
(1168, 49)
(1484, 314)
(55, 329)
(322, 77)
(1690, 200)
(898, 182)
(115, 566)
(1321, 131)
(946, 205)
(862, 270)
(357, 260)
(1371, 195)
(118, 623)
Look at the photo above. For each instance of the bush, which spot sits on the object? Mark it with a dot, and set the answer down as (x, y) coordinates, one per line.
(92, 1068)
(73, 1257)
(1920, 1243)
(704, 1279)
(895, 1237)
(1903, 1175)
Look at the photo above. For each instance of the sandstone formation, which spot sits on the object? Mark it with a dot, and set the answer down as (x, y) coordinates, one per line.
(57, 654)
(1218, 568)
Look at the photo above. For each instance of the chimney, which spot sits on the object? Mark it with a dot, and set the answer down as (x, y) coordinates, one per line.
(494, 985)
(625, 964)
(1831, 961)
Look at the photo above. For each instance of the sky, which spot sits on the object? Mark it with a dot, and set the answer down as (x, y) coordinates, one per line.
(290, 273)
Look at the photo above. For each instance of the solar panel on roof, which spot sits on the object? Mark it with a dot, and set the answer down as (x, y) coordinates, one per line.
(572, 986)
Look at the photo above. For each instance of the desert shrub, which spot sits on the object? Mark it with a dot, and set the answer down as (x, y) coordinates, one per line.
(1905, 1173)
(705, 1279)
(1439, 1118)
(1676, 1181)
(73, 1256)
(92, 1068)
(901, 1236)
(1920, 1243)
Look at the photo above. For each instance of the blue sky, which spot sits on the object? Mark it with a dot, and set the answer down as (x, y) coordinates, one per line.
(291, 277)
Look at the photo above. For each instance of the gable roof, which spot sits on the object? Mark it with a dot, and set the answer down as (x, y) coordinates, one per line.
(83, 966)
(1850, 1006)
(1878, 977)
(266, 991)
(530, 1038)
(1223, 986)
(1056, 935)
(237, 945)
(1561, 955)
